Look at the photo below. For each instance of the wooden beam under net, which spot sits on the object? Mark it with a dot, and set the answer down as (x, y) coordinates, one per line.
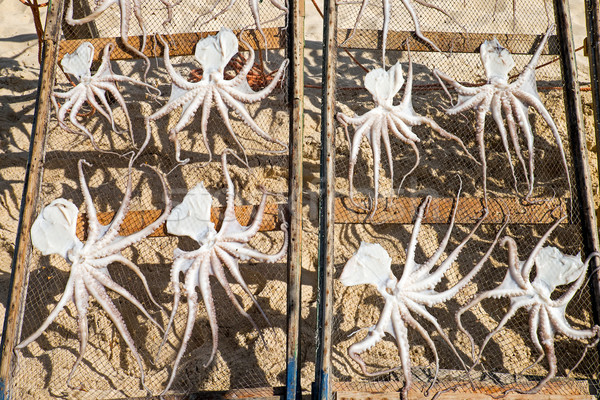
(403, 210)
(137, 220)
(398, 210)
(455, 42)
(181, 44)
(558, 389)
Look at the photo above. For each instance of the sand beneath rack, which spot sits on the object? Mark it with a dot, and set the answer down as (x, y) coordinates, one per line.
(18, 84)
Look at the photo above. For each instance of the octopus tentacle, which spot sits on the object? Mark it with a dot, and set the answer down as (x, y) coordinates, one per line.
(219, 273)
(512, 130)
(516, 304)
(225, 115)
(98, 292)
(104, 110)
(93, 224)
(409, 264)
(180, 264)
(263, 93)
(122, 242)
(65, 298)
(81, 299)
(119, 98)
(245, 116)
(526, 269)
(203, 283)
(192, 301)
(119, 258)
(107, 282)
(402, 131)
(497, 115)
(425, 335)
(232, 265)
(112, 230)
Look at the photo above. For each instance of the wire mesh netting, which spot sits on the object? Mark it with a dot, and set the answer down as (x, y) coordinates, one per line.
(437, 166)
(246, 358)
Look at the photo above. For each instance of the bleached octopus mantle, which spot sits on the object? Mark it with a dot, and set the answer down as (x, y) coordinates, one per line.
(91, 87)
(411, 294)
(513, 99)
(217, 249)
(53, 232)
(213, 53)
(377, 124)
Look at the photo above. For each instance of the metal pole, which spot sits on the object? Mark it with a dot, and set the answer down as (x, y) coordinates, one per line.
(33, 174)
(592, 12)
(296, 103)
(326, 207)
(575, 128)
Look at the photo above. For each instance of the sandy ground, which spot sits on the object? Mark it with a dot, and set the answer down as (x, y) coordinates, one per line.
(18, 83)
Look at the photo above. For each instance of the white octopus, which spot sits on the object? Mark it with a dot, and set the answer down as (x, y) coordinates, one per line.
(53, 232)
(386, 21)
(90, 88)
(411, 294)
(546, 315)
(213, 53)
(377, 124)
(217, 249)
(126, 7)
(514, 99)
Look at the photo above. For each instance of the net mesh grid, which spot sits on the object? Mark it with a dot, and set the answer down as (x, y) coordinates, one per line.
(108, 369)
(442, 160)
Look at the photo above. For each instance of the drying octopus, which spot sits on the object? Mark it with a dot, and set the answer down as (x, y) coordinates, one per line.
(513, 99)
(377, 124)
(217, 250)
(54, 232)
(213, 53)
(411, 294)
(126, 7)
(386, 21)
(546, 312)
(90, 88)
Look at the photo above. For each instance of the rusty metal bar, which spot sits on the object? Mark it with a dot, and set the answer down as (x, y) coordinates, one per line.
(186, 43)
(296, 103)
(576, 131)
(322, 388)
(33, 174)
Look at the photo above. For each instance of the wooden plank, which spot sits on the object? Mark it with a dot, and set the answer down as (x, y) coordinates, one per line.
(325, 269)
(266, 393)
(33, 175)
(455, 396)
(402, 210)
(456, 42)
(137, 220)
(185, 44)
(558, 389)
(296, 140)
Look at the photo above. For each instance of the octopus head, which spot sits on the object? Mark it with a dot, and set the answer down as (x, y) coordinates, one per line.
(497, 60)
(192, 217)
(214, 52)
(553, 268)
(79, 62)
(54, 230)
(371, 264)
(383, 85)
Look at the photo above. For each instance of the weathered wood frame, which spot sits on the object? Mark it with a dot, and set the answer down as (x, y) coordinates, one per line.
(329, 207)
(52, 51)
